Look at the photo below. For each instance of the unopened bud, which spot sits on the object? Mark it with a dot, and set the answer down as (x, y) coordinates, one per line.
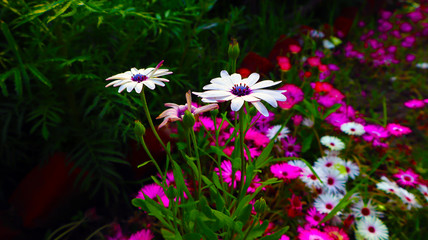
(188, 119)
(233, 50)
(260, 206)
(139, 129)
(171, 192)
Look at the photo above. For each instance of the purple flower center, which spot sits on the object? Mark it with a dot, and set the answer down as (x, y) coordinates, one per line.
(139, 78)
(240, 90)
(365, 211)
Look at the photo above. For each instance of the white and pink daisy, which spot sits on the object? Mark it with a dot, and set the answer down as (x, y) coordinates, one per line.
(333, 181)
(352, 128)
(333, 143)
(407, 178)
(138, 78)
(387, 186)
(372, 228)
(309, 178)
(324, 203)
(408, 198)
(361, 209)
(424, 190)
(327, 162)
(352, 169)
(237, 90)
(273, 130)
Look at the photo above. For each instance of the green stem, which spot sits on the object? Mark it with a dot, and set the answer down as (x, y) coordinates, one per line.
(251, 227)
(151, 157)
(198, 161)
(97, 231)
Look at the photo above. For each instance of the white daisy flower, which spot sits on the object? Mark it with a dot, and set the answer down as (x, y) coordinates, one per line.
(328, 162)
(330, 153)
(298, 163)
(137, 79)
(352, 169)
(422, 65)
(361, 209)
(333, 181)
(308, 122)
(387, 185)
(273, 130)
(352, 128)
(333, 143)
(327, 44)
(372, 228)
(408, 198)
(424, 190)
(324, 203)
(309, 178)
(233, 88)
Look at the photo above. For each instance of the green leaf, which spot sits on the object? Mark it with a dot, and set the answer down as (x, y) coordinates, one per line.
(258, 230)
(179, 180)
(331, 110)
(18, 82)
(143, 164)
(193, 236)
(60, 11)
(307, 141)
(277, 235)
(168, 235)
(39, 75)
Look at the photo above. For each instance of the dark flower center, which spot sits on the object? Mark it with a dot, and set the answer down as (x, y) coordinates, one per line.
(348, 170)
(328, 164)
(365, 211)
(240, 90)
(372, 229)
(352, 129)
(317, 218)
(290, 148)
(407, 178)
(332, 144)
(313, 177)
(139, 78)
(329, 206)
(330, 181)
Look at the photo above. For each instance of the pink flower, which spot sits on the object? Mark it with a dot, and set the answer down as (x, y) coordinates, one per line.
(297, 119)
(405, 27)
(385, 14)
(416, 16)
(290, 147)
(415, 103)
(295, 48)
(314, 217)
(397, 129)
(284, 63)
(152, 191)
(375, 132)
(259, 139)
(408, 41)
(313, 233)
(284, 237)
(144, 234)
(410, 57)
(285, 171)
(294, 95)
(332, 97)
(255, 184)
(313, 61)
(295, 208)
(336, 232)
(407, 178)
(226, 172)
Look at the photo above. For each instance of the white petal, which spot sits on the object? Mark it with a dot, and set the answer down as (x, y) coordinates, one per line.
(252, 79)
(224, 74)
(274, 93)
(265, 84)
(236, 104)
(226, 79)
(121, 82)
(220, 81)
(261, 108)
(121, 76)
(112, 83)
(139, 87)
(121, 88)
(250, 98)
(130, 86)
(149, 84)
(159, 79)
(134, 71)
(236, 78)
(157, 82)
(214, 93)
(268, 98)
(214, 86)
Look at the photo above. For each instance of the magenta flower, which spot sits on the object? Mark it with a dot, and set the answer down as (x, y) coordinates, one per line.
(313, 61)
(312, 234)
(375, 132)
(416, 16)
(294, 95)
(385, 14)
(406, 27)
(397, 129)
(410, 57)
(415, 103)
(259, 139)
(396, 34)
(153, 191)
(408, 41)
(226, 172)
(144, 234)
(297, 119)
(290, 147)
(407, 178)
(332, 97)
(285, 171)
(336, 233)
(314, 217)
(384, 26)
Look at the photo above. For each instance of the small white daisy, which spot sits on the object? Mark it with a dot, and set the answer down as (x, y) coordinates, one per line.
(298, 163)
(361, 209)
(422, 65)
(237, 90)
(331, 153)
(408, 198)
(327, 44)
(308, 122)
(324, 203)
(387, 185)
(372, 228)
(333, 181)
(137, 79)
(333, 143)
(424, 190)
(352, 169)
(352, 128)
(273, 130)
